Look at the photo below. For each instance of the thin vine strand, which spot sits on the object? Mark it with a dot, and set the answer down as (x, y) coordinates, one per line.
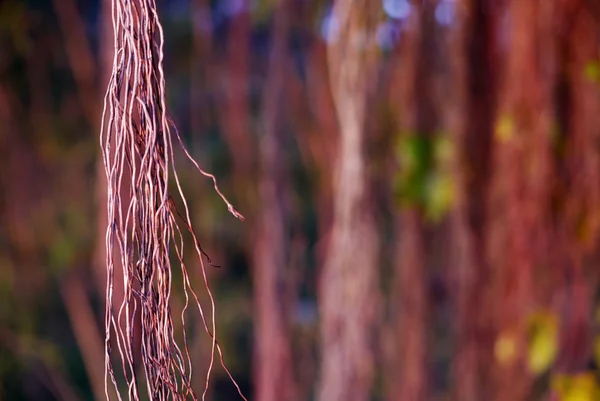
(142, 231)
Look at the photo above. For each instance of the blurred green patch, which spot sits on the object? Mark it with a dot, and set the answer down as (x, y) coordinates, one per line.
(71, 238)
(592, 71)
(441, 192)
(413, 156)
(424, 178)
(32, 348)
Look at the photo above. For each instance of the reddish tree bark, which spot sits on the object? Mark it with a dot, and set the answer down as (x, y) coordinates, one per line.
(272, 356)
(518, 231)
(415, 95)
(348, 284)
(235, 116)
(579, 24)
(469, 117)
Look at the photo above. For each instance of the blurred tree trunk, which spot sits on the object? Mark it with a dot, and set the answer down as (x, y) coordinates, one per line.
(417, 120)
(578, 53)
(235, 116)
(80, 56)
(317, 137)
(469, 117)
(272, 358)
(518, 233)
(85, 328)
(407, 373)
(523, 245)
(200, 66)
(349, 293)
(84, 68)
(311, 110)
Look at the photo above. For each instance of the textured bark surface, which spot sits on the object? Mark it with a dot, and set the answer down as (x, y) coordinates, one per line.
(348, 286)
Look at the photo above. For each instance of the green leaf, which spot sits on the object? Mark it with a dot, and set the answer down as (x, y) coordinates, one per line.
(413, 154)
(62, 253)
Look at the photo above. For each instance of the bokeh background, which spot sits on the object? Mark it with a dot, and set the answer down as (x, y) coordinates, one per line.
(420, 181)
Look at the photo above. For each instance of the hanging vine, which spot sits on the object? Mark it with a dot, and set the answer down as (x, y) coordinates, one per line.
(144, 225)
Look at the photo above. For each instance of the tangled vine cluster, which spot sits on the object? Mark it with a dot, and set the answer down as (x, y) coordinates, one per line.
(144, 232)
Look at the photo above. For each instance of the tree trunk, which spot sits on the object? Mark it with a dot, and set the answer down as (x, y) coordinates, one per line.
(272, 358)
(518, 231)
(417, 118)
(349, 293)
(469, 117)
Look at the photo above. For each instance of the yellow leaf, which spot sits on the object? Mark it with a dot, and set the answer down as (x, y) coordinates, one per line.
(577, 387)
(441, 193)
(597, 350)
(542, 342)
(583, 388)
(505, 129)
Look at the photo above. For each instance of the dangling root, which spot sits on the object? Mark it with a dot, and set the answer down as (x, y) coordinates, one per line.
(136, 143)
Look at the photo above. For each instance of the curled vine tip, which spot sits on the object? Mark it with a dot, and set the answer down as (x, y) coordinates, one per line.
(235, 212)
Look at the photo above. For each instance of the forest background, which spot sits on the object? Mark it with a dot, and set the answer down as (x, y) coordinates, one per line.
(420, 180)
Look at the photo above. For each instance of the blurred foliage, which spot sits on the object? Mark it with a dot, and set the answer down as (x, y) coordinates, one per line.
(505, 128)
(542, 334)
(425, 174)
(541, 343)
(71, 240)
(592, 71)
(576, 387)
